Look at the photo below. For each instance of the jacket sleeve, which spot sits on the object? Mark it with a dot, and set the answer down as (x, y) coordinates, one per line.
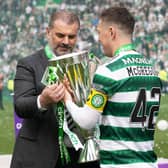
(25, 90)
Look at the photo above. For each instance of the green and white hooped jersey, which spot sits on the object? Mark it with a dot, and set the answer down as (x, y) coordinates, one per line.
(127, 123)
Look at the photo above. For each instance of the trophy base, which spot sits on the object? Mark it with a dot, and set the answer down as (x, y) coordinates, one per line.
(90, 152)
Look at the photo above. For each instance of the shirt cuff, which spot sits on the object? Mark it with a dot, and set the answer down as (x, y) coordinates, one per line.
(39, 105)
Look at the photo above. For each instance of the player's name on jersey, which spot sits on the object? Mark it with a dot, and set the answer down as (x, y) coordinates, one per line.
(136, 60)
(141, 71)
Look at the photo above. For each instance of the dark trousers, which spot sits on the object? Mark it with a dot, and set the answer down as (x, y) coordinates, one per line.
(74, 161)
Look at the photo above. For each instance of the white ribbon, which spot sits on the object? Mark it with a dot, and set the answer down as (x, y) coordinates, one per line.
(72, 136)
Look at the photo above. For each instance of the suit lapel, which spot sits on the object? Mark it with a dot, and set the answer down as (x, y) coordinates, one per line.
(44, 60)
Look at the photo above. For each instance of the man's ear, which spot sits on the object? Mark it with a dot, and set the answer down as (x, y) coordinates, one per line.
(47, 32)
(112, 32)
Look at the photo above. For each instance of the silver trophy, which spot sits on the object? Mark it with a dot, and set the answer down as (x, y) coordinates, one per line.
(79, 68)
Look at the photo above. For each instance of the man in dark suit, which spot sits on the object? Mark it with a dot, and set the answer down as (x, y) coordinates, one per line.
(37, 143)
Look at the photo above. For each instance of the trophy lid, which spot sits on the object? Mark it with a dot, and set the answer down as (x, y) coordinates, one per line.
(71, 58)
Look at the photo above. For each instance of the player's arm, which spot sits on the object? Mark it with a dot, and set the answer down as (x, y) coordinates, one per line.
(88, 115)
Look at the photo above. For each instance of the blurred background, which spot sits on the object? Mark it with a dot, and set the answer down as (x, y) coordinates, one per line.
(22, 31)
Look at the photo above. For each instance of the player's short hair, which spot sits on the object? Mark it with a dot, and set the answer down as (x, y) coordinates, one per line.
(119, 16)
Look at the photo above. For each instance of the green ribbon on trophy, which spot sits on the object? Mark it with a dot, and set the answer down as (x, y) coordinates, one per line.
(50, 77)
(65, 158)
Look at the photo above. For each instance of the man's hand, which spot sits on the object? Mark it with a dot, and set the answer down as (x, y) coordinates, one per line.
(52, 94)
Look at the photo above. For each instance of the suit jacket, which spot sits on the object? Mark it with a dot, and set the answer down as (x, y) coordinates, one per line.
(36, 145)
(37, 142)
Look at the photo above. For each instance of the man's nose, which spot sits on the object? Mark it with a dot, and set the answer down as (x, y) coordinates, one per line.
(66, 40)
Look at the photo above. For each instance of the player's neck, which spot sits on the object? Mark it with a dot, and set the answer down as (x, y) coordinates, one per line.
(122, 46)
(120, 43)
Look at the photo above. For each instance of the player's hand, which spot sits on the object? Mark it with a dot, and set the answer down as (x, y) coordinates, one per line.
(67, 96)
(68, 87)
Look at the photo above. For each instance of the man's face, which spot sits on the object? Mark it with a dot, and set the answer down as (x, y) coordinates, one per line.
(62, 37)
(104, 38)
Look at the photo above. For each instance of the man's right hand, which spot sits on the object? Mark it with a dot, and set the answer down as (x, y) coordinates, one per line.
(52, 94)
